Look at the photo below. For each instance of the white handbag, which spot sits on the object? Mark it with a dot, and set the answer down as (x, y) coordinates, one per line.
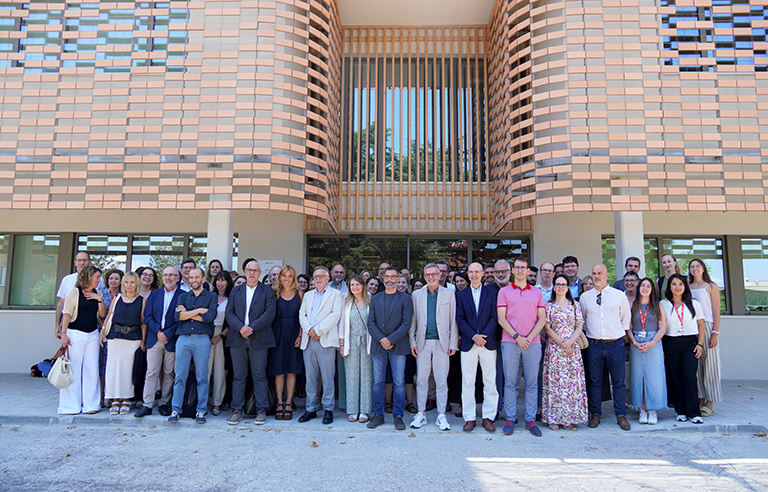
(61, 374)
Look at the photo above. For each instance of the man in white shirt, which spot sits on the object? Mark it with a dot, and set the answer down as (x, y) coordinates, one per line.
(546, 272)
(606, 319)
(82, 260)
(444, 269)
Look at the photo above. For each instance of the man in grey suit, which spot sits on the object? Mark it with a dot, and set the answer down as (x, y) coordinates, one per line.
(389, 318)
(250, 311)
(319, 319)
(434, 337)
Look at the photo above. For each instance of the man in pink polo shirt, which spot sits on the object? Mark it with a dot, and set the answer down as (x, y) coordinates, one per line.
(522, 316)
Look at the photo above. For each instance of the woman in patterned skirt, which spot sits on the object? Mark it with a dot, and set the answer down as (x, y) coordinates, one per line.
(564, 389)
(704, 290)
(355, 346)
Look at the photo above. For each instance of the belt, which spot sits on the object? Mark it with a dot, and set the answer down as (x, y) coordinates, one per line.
(603, 341)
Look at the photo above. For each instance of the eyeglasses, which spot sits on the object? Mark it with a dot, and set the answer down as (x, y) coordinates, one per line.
(497, 272)
(319, 277)
(252, 270)
(561, 285)
(398, 276)
(546, 270)
(520, 268)
(431, 274)
(599, 298)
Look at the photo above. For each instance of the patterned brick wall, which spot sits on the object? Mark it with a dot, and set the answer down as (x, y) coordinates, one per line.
(181, 105)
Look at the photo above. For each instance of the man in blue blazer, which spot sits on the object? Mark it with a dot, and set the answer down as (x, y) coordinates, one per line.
(250, 311)
(161, 342)
(389, 319)
(477, 320)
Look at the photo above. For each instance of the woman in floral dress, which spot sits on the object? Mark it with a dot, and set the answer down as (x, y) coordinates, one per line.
(564, 400)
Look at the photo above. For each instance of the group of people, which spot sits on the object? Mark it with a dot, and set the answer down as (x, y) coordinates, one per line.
(371, 341)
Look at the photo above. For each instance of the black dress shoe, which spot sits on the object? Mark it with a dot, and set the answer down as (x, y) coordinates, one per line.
(327, 417)
(164, 410)
(307, 416)
(143, 412)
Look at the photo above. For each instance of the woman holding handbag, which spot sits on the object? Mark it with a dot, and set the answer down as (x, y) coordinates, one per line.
(79, 333)
(126, 332)
(564, 389)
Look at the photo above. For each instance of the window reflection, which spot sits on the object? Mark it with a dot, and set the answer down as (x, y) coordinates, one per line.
(755, 262)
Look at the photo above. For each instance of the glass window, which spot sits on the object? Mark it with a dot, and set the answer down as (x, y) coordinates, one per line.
(198, 250)
(4, 240)
(707, 249)
(35, 259)
(424, 251)
(157, 251)
(755, 262)
(106, 252)
(609, 258)
(491, 250)
(357, 254)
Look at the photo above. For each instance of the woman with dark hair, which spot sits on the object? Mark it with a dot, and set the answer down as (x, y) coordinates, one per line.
(240, 280)
(704, 290)
(461, 281)
(648, 386)
(564, 388)
(303, 281)
(355, 346)
(126, 332)
(683, 346)
(80, 334)
(286, 359)
(417, 284)
(147, 281)
(214, 267)
(365, 275)
(222, 286)
(372, 286)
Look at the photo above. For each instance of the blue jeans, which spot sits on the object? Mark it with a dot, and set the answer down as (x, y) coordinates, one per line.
(531, 358)
(612, 355)
(197, 348)
(398, 378)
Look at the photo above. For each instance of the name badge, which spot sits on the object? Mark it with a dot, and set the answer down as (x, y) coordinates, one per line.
(641, 334)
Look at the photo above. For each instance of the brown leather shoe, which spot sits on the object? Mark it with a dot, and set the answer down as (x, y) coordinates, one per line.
(488, 425)
(469, 426)
(623, 423)
(594, 421)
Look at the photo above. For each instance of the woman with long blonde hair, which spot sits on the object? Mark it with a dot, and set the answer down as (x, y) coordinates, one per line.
(355, 347)
(286, 358)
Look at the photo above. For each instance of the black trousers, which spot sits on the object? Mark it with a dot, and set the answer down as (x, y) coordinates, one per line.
(681, 365)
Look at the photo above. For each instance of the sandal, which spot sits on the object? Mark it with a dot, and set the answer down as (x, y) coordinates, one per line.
(555, 427)
(279, 411)
(287, 411)
(567, 427)
(363, 418)
(125, 408)
(216, 410)
(352, 418)
(114, 409)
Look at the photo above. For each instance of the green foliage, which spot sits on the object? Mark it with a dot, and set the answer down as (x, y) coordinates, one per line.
(43, 291)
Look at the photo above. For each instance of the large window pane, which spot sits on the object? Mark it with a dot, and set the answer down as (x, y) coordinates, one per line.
(486, 251)
(34, 270)
(609, 259)
(755, 262)
(357, 254)
(454, 251)
(4, 240)
(708, 250)
(106, 251)
(198, 251)
(157, 251)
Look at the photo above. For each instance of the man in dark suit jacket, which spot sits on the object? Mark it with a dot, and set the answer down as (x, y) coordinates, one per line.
(161, 342)
(477, 320)
(250, 311)
(389, 319)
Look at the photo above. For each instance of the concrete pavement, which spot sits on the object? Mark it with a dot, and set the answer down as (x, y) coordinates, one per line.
(26, 400)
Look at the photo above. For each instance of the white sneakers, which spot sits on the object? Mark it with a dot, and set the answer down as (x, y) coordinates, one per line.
(653, 419)
(442, 423)
(643, 417)
(419, 420)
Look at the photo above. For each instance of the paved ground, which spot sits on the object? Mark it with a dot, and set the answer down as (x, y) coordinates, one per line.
(40, 451)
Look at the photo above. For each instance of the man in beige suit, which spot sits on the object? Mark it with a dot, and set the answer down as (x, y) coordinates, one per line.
(434, 337)
(319, 319)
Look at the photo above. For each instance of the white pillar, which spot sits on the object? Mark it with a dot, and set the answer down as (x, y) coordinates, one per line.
(628, 228)
(221, 231)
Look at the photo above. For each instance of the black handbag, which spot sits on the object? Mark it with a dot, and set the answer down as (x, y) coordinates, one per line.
(139, 367)
(189, 405)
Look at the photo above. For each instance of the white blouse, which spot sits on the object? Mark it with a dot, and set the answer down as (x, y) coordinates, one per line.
(689, 326)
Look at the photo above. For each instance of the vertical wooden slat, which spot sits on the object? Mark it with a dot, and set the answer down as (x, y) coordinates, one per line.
(377, 129)
(402, 133)
(418, 127)
(458, 215)
(476, 153)
(359, 128)
(368, 128)
(394, 136)
(434, 126)
(410, 168)
(487, 142)
(346, 197)
(443, 124)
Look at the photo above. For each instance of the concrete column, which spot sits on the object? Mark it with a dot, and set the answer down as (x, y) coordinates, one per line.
(221, 230)
(628, 229)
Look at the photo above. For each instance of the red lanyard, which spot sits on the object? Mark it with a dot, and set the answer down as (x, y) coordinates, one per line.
(680, 315)
(643, 315)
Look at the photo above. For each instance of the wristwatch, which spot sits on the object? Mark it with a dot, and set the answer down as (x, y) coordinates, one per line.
(514, 337)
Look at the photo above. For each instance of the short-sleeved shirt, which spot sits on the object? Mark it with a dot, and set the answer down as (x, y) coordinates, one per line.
(522, 310)
(689, 326)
